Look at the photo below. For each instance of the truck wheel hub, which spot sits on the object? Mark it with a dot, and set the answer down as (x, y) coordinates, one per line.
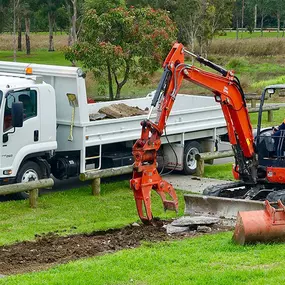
(29, 175)
(190, 158)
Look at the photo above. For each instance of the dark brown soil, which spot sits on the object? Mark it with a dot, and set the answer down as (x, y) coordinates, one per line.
(51, 249)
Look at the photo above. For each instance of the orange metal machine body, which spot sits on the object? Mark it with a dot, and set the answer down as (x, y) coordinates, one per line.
(227, 92)
(261, 226)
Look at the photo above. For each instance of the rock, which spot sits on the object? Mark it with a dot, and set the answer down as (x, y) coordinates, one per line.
(203, 229)
(176, 230)
(196, 220)
(135, 225)
(2, 276)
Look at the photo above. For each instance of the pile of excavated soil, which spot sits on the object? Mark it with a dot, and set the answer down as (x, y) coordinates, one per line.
(51, 249)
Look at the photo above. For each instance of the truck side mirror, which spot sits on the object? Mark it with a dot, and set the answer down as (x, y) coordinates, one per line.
(17, 114)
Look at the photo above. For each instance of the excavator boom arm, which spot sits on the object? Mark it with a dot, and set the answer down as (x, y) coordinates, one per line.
(227, 92)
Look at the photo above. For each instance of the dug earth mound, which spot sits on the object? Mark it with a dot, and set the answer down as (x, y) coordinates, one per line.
(51, 249)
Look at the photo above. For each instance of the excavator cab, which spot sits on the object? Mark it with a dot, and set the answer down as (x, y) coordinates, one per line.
(270, 137)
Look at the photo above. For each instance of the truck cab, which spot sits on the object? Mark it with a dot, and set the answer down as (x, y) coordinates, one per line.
(36, 138)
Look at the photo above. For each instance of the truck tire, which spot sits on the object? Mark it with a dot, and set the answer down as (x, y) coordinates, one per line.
(189, 161)
(29, 171)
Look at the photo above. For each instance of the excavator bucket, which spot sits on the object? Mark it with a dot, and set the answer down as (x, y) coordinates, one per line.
(266, 225)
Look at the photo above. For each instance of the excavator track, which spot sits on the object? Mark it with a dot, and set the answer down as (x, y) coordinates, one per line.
(226, 190)
(241, 190)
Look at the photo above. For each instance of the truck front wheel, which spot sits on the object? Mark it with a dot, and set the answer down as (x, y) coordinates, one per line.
(29, 171)
(189, 161)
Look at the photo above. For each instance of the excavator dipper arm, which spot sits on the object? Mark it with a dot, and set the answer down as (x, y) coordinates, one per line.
(227, 92)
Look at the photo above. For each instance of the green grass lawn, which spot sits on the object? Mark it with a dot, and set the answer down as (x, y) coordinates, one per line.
(210, 259)
(74, 211)
(77, 211)
(219, 171)
(248, 35)
(39, 56)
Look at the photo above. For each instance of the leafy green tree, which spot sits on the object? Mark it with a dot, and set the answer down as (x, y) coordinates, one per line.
(103, 6)
(169, 5)
(50, 8)
(278, 9)
(5, 14)
(188, 17)
(264, 10)
(123, 44)
(216, 15)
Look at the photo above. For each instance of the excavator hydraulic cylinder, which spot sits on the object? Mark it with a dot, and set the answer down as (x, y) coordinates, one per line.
(266, 225)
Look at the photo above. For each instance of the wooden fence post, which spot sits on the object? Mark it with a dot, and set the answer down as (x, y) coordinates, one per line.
(33, 197)
(200, 167)
(96, 189)
(270, 116)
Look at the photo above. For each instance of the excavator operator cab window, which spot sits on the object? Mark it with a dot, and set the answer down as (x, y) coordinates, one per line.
(271, 117)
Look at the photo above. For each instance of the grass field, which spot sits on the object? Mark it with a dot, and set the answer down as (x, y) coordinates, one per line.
(211, 259)
(114, 208)
(75, 211)
(248, 35)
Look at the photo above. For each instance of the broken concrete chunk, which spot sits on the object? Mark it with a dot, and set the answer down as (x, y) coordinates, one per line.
(95, 117)
(196, 220)
(176, 230)
(121, 110)
(204, 229)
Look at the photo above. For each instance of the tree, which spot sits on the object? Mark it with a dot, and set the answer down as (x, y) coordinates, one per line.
(279, 11)
(217, 15)
(123, 44)
(103, 6)
(188, 18)
(264, 8)
(50, 8)
(16, 4)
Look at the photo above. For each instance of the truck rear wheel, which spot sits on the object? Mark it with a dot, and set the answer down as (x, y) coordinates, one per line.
(189, 162)
(30, 171)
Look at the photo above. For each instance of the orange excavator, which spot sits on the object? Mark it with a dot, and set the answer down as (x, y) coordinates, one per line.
(256, 168)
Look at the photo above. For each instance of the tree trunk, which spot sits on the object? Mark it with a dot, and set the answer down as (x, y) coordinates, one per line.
(255, 17)
(124, 81)
(261, 25)
(278, 24)
(19, 34)
(237, 30)
(110, 81)
(15, 6)
(74, 20)
(28, 42)
(69, 41)
(283, 29)
(242, 16)
(50, 23)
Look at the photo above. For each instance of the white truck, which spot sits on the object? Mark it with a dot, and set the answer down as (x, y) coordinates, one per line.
(46, 127)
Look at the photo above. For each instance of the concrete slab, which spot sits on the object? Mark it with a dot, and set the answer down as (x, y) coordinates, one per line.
(176, 230)
(196, 220)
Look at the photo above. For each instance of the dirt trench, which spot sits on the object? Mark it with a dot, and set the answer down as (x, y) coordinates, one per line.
(49, 250)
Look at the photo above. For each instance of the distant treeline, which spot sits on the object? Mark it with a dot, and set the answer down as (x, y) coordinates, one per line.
(196, 20)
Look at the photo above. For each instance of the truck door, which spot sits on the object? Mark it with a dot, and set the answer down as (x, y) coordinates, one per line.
(19, 142)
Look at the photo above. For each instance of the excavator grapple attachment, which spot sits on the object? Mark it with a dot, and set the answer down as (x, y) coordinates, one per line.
(266, 225)
(142, 187)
